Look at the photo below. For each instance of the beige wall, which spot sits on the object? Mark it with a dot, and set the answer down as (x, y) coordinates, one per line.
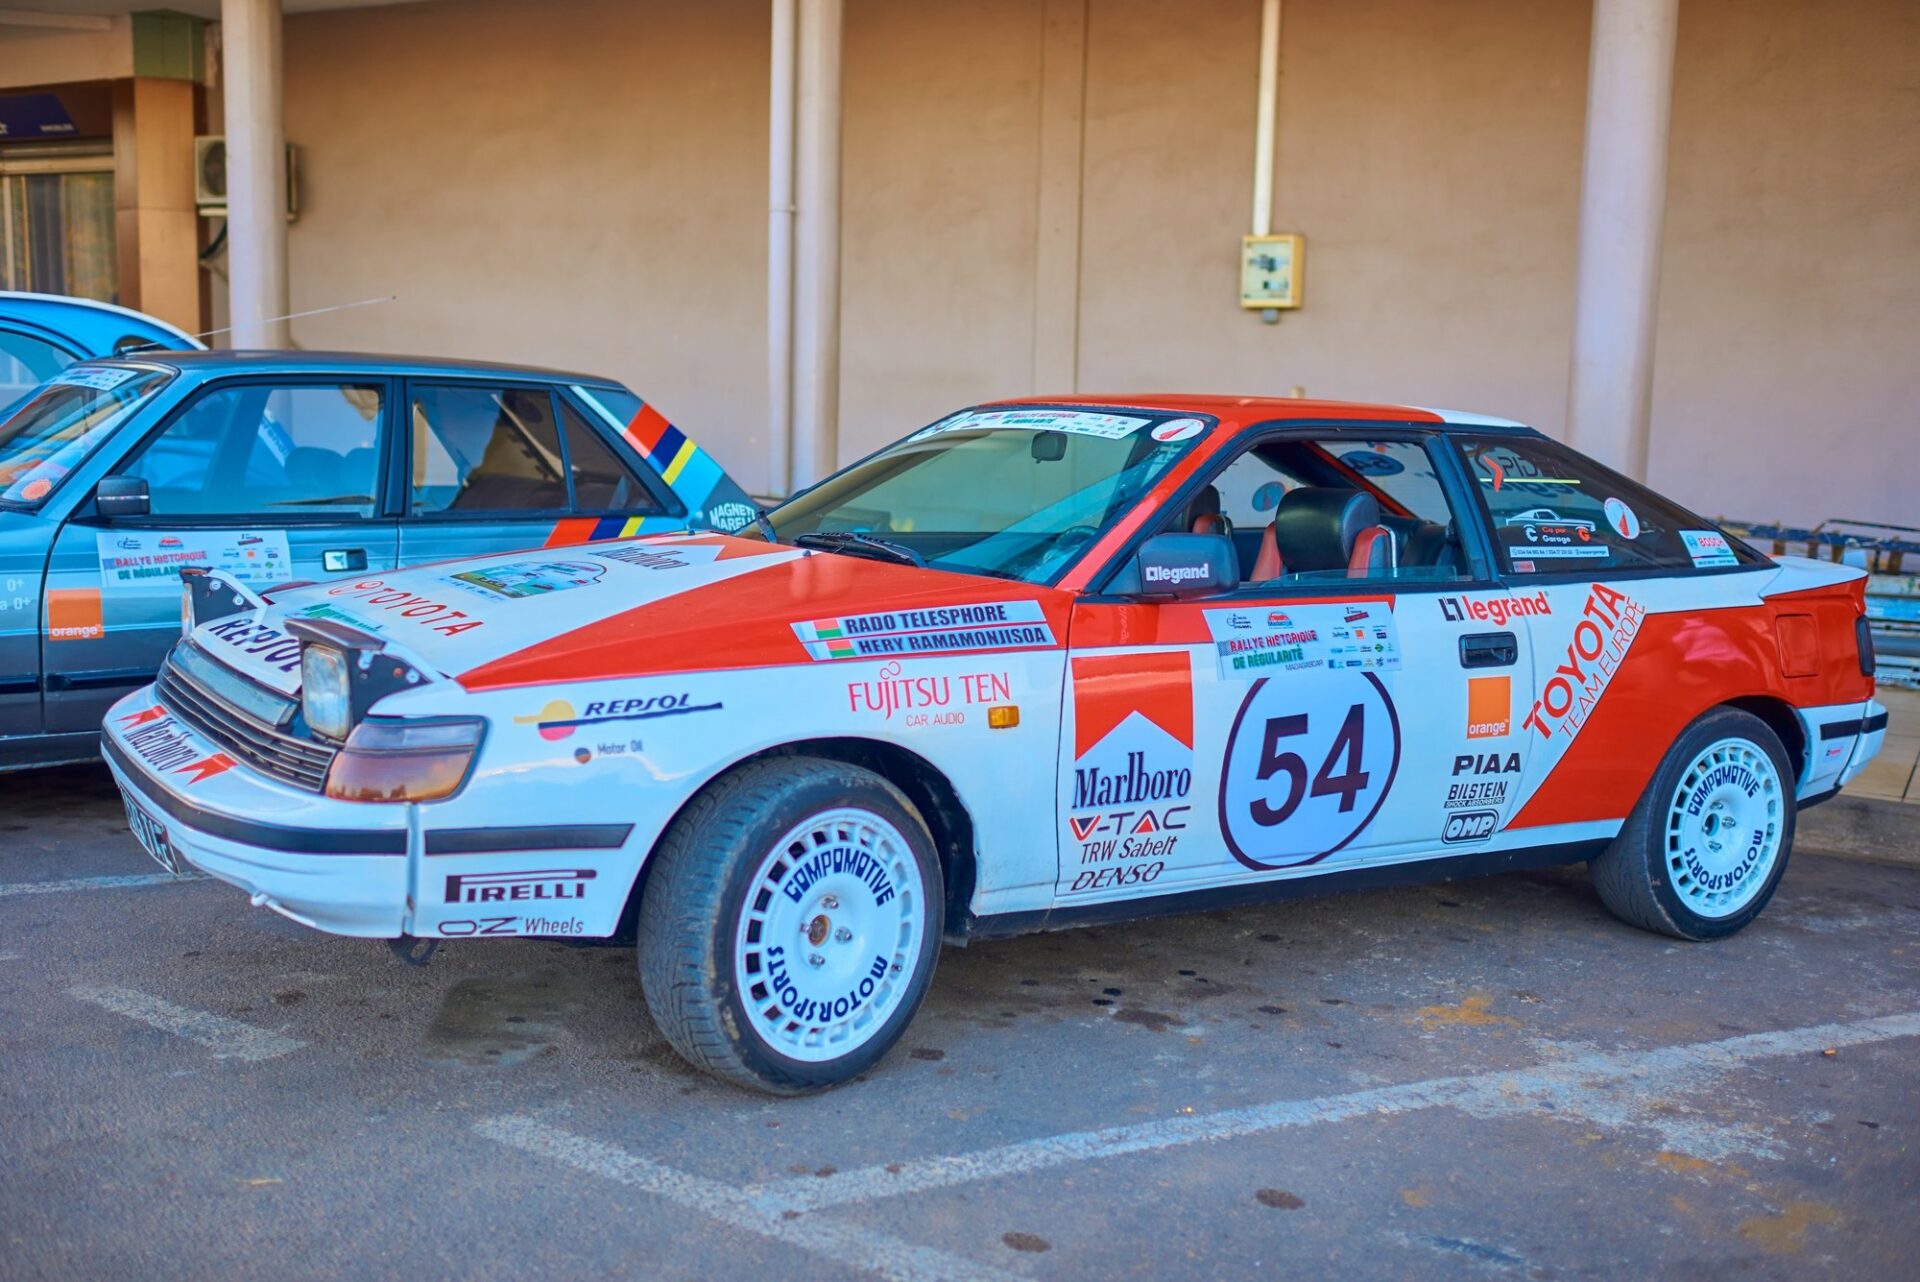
(572, 184)
(583, 184)
(51, 55)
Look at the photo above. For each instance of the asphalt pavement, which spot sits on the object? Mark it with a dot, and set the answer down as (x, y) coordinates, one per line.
(1481, 1079)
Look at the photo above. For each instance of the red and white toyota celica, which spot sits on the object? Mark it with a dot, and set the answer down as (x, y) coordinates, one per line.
(1035, 665)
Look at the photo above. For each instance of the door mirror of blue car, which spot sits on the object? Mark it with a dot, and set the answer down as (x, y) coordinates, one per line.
(122, 496)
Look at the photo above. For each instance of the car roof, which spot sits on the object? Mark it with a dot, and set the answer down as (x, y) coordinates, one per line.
(55, 311)
(298, 362)
(1261, 409)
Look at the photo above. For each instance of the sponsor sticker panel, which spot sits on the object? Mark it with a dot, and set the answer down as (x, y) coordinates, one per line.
(1130, 799)
(1256, 641)
(140, 558)
(916, 696)
(989, 625)
(517, 580)
(1708, 549)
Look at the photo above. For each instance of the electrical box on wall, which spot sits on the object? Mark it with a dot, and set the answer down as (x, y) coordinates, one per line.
(1270, 268)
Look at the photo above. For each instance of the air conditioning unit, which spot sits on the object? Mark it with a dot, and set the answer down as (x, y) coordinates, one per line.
(210, 177)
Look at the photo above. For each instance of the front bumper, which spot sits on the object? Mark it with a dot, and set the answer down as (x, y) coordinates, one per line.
(336, 866)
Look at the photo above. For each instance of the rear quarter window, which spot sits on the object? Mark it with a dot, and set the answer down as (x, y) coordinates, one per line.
(1554, 511)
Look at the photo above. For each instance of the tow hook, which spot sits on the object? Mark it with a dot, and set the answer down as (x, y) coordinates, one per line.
(413, 950)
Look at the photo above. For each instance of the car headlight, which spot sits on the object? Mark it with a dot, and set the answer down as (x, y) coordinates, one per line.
(325, 693)
(397, 759)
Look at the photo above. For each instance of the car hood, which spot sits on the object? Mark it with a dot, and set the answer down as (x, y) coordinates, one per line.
(640, 607)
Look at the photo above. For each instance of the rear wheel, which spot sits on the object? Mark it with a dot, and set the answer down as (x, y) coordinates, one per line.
(1707, 844)
(789, 928)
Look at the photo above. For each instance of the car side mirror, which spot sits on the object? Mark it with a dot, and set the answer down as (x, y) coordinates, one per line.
(122, 496)
(1178, 567)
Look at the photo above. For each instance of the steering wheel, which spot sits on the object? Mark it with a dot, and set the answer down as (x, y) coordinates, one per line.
(1076, 535)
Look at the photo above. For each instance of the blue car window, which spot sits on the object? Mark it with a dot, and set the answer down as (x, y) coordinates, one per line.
(53, 430)
(481, 450)
(260, 450)
(600, 482)
(25, 363)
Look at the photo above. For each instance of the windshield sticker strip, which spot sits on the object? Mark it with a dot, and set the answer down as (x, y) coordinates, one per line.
(993, 625)
(1112, 427)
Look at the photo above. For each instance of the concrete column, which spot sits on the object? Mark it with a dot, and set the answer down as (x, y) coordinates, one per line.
(155, 227)
(256, 173)
(1623, 193)
(816, 267)
(1063, 106)
(780, 160)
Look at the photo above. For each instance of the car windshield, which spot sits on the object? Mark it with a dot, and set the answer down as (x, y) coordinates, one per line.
(54, 429)
(1012, 493)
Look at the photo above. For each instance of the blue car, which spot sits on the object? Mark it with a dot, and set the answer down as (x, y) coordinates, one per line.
(281, 467)
(42, 334)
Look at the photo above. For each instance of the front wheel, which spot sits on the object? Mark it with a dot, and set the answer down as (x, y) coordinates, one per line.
(790, 925)
(1703, 850)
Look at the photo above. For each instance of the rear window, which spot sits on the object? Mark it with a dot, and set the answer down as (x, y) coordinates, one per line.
(1557, 512)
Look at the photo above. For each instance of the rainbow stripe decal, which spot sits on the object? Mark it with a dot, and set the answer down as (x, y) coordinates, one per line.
(713, 499)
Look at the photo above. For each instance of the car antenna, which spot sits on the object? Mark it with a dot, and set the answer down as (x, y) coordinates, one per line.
(317, 311)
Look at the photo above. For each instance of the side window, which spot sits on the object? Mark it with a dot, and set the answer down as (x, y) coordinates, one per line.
(260, 450)
(1556, 512)
(480, 450)
(25, 363)
(1306, 511)
(601, 483)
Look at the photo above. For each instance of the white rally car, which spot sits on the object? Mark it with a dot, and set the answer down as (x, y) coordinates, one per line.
(1034, 666)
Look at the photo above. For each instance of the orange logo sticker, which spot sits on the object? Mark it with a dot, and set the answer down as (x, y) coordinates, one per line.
(1489, 707)
(73, 614)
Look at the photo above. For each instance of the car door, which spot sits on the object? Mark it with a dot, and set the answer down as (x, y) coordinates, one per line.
(1599, 554)
(508, 465)
(272, 479)
(1333, 713)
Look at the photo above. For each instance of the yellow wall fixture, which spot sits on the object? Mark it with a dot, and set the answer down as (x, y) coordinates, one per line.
(1270, 270)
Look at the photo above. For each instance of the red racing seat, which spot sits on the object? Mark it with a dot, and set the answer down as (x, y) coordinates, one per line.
(1323, 529)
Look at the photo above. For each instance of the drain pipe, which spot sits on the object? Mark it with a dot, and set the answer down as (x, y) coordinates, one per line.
(780, 212)
(1263, 120)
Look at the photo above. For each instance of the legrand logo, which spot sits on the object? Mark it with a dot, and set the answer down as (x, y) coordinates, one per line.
(1175, 574)
(1497, 610)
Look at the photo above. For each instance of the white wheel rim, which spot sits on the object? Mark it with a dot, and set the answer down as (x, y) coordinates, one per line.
(831, 934)
(1724, 827)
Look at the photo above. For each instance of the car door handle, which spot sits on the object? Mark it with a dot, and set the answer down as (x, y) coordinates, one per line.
(343, 560)
(1489, 650)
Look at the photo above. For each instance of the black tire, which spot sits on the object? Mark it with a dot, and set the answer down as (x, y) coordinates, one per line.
(695, 897)
(1644, 882)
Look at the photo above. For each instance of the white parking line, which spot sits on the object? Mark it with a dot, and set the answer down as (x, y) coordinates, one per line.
(847, 1244)
(1621, 1089)
(227, 1038)
(1628, 1088)
(94, 883)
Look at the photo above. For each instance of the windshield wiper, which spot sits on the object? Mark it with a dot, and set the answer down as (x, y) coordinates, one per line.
(853, 543)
